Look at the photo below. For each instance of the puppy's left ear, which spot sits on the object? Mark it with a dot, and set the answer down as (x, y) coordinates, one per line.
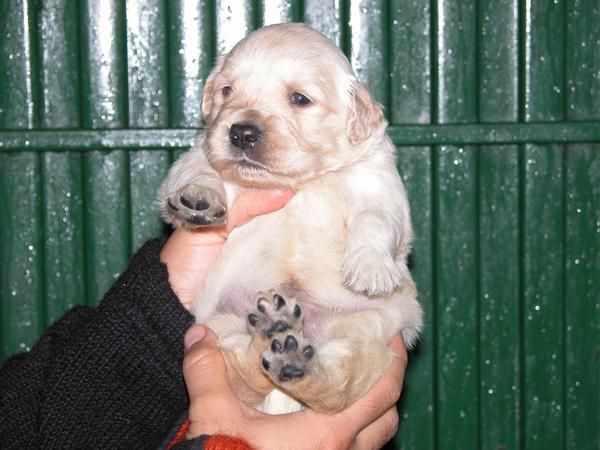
(366, 115)
(207, 96)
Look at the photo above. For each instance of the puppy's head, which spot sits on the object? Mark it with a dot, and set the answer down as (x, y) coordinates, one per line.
(284, 107)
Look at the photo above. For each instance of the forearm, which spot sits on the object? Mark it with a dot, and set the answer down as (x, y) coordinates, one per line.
(106, 377)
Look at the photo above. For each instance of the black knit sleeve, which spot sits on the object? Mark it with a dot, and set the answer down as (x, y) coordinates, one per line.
(108, 377)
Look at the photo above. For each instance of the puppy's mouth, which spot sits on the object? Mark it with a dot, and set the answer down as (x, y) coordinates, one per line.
(244, 163)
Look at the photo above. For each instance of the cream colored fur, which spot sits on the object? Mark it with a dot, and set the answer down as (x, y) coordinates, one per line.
(338, 249)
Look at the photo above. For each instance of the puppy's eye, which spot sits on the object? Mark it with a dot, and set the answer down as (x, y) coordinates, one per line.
(226, 91)
(299, 99)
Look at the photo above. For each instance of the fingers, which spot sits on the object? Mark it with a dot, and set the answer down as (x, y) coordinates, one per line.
(204, 368)
(205, 374)
(254, 202)
(375, 435)
(383, 396)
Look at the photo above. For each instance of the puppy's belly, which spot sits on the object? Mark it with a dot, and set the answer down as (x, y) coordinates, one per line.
(300, 246)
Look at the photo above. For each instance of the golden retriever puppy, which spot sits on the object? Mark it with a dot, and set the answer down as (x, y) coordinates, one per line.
(305, 299)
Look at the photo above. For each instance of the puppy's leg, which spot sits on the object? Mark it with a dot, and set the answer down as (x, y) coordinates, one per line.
(329, 376)
(192, 195)
(352, 352)
(379, 228)
(245, 376)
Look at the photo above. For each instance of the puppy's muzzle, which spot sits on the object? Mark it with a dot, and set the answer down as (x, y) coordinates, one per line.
(244, 136)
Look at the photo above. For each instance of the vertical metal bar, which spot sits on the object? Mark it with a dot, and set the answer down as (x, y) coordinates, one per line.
(279, 11)
(456, 233)
(582, 252)
(191, 56)
(21, 236)
(57, 24)
(416, 407)
(410, 70)
(498, 269)
(148, 108)
(234, 20)
(325, 16)
(369, 46)
(104, 98)
(410, 90)
(543, 229)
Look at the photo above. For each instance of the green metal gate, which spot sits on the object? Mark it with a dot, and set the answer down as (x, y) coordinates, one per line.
(494, 106)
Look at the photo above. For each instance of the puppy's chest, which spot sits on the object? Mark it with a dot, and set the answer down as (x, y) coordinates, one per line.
(304, 240)
(300, 245)
(314, 226)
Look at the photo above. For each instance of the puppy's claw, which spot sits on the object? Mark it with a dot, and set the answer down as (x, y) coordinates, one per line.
(276, 346)
(291, 344)
(279, 302)
(308, 352)
(253, 319)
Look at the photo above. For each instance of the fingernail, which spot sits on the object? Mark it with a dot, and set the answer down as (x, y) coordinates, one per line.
(194, 335)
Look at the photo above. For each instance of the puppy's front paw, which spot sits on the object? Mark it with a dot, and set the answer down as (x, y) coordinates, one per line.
(274, 314)
(195, 206)
(368, 272)
(289, 358)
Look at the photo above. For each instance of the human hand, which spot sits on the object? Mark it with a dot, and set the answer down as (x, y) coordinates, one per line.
(214, 408)
(190, 254)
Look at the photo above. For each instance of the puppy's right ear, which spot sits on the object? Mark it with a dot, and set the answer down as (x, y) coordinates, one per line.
(207, 96)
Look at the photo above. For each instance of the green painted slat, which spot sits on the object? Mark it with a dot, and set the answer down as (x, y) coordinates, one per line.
(498, 61)
(148, 107)
(582, 243)
(543, 230)
(21, 253)
(582, 302)
(17, 104)
(455, 203)
(147, 63)
(368, 46)
(499, 312)
(410, 84)
(326, 16)
(191, 55)
(106, 174)
(61, 171)
(279, 11)
(416, 407)
(409, 23)
(498, 267)
(234, 20)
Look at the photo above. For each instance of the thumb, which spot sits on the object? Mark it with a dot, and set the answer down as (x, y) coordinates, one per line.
(204, 368)
(255, 202)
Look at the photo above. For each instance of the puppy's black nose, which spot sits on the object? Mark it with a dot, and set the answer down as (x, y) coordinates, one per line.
(244, 136)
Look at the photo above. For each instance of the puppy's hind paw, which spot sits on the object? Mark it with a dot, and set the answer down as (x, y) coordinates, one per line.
(367, 272)
(289, 358)
(274, 314)
(195, 206)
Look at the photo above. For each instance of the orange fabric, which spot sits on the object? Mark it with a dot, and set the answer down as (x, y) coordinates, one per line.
(180, 435)
(220, 442)
(216, 442)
